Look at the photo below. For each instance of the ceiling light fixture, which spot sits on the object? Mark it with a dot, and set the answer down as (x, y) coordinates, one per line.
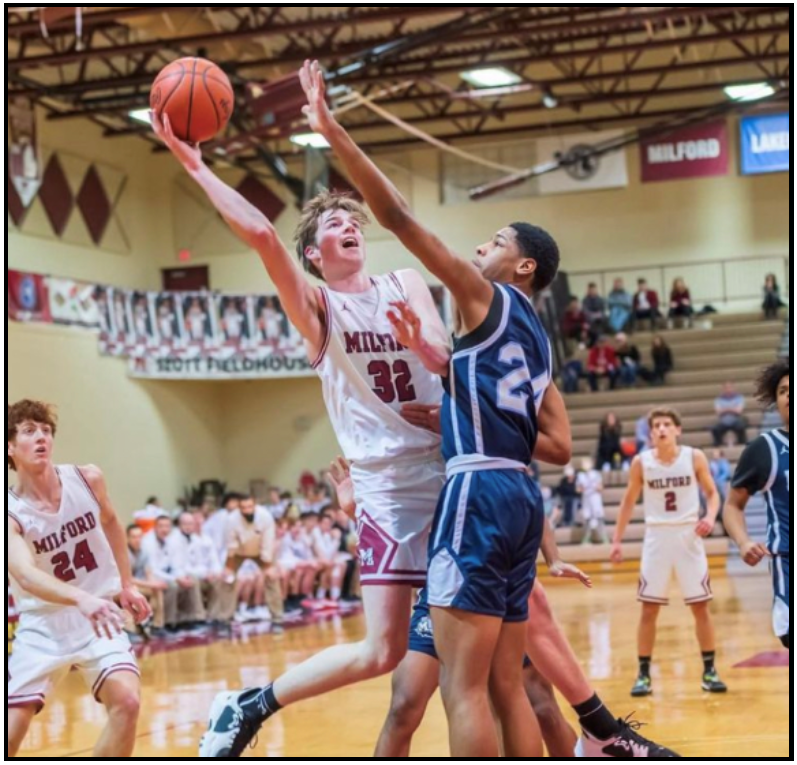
(491, 77)
(751, 92)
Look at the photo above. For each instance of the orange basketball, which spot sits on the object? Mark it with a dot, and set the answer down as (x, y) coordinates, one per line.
(197, 97)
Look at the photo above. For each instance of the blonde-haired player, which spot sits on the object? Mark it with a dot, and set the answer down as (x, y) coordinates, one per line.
(671, 477)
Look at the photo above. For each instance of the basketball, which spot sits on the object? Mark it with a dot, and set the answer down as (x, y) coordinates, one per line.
(196, 95)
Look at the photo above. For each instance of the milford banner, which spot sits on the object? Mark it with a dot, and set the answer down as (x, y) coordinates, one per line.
(696, 152)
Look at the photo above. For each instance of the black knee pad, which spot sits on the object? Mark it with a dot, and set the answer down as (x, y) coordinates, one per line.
(786, 640)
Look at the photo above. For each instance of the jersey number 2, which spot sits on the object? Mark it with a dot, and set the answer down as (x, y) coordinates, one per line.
(510, 398)
(671, 500)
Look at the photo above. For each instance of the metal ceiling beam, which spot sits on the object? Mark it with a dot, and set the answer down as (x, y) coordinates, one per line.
(633, 20)
(552, 127)
(566, 102)
(424, 69)
(572, 103)
(651, 71)
(292, 57)
(100, 18)
(265, 31)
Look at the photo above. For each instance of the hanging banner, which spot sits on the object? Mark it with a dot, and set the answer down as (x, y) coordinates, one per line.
(695, 152)
(766, 144)
(24, 161)
(26, 297)
(175, 336)
(73, 303)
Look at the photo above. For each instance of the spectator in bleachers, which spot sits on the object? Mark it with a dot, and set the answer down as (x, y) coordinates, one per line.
(276, 505)
(643, 440)
(575, 324)
(251, 595)
(218, 585)
(595, 310)
(332, 563)
(610, 444)
(182, 597)
(590, 485)
(681, 306)
(569, 496)
(145, 519)
(603, 364)
(730, 407)
(252, 536)
(292, 512)
(663, 362)
(630, 361)
(772, 298)
(297, 560)
(145, 581)
(646, 305)
(215, 526)
(572, 372)
(621, 307)
(722, 473)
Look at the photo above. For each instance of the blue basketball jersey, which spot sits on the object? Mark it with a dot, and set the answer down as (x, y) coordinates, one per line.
(498, 379)
(777, 493)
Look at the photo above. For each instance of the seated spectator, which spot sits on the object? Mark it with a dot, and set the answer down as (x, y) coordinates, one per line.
(603, 363)
(572, 372)
(569, 496)
(574, 322)
(251, 595)
(297, 561)
(182, 598)
(215, 527)
(772, 299)
(646, 305)
(595, 309)
(643, 440)
(252, 536)
(621, 307)
(217, 584)
(145, 581)
(730, 408)
(332, 563)
(275, 505)
(663, 362)
(610, 444)
(145, 519)
(630, 361)
(292, 512)
(722, 472)
(681, 303)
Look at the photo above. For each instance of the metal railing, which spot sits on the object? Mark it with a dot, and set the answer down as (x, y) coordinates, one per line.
(712, 282)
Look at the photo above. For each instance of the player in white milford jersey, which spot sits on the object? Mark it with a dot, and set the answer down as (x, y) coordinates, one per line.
(367, 378)
(671, 477)
(67, 561)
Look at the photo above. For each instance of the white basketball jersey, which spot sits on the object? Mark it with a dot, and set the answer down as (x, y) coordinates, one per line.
(70, 545)
(591, 484)
(672, 493)
(367, 377)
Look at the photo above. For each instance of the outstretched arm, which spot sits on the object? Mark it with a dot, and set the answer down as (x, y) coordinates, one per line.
(635, 486)
(299, 298)
(472, 291)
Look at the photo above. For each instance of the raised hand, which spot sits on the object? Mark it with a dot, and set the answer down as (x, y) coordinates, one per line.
(189, 156)
(406, 325)
(317, 111)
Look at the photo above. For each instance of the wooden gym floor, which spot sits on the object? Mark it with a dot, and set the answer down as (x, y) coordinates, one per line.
(752, 721)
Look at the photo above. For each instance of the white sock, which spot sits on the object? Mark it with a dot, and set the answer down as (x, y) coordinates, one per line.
(322, 595)
(336, 593)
